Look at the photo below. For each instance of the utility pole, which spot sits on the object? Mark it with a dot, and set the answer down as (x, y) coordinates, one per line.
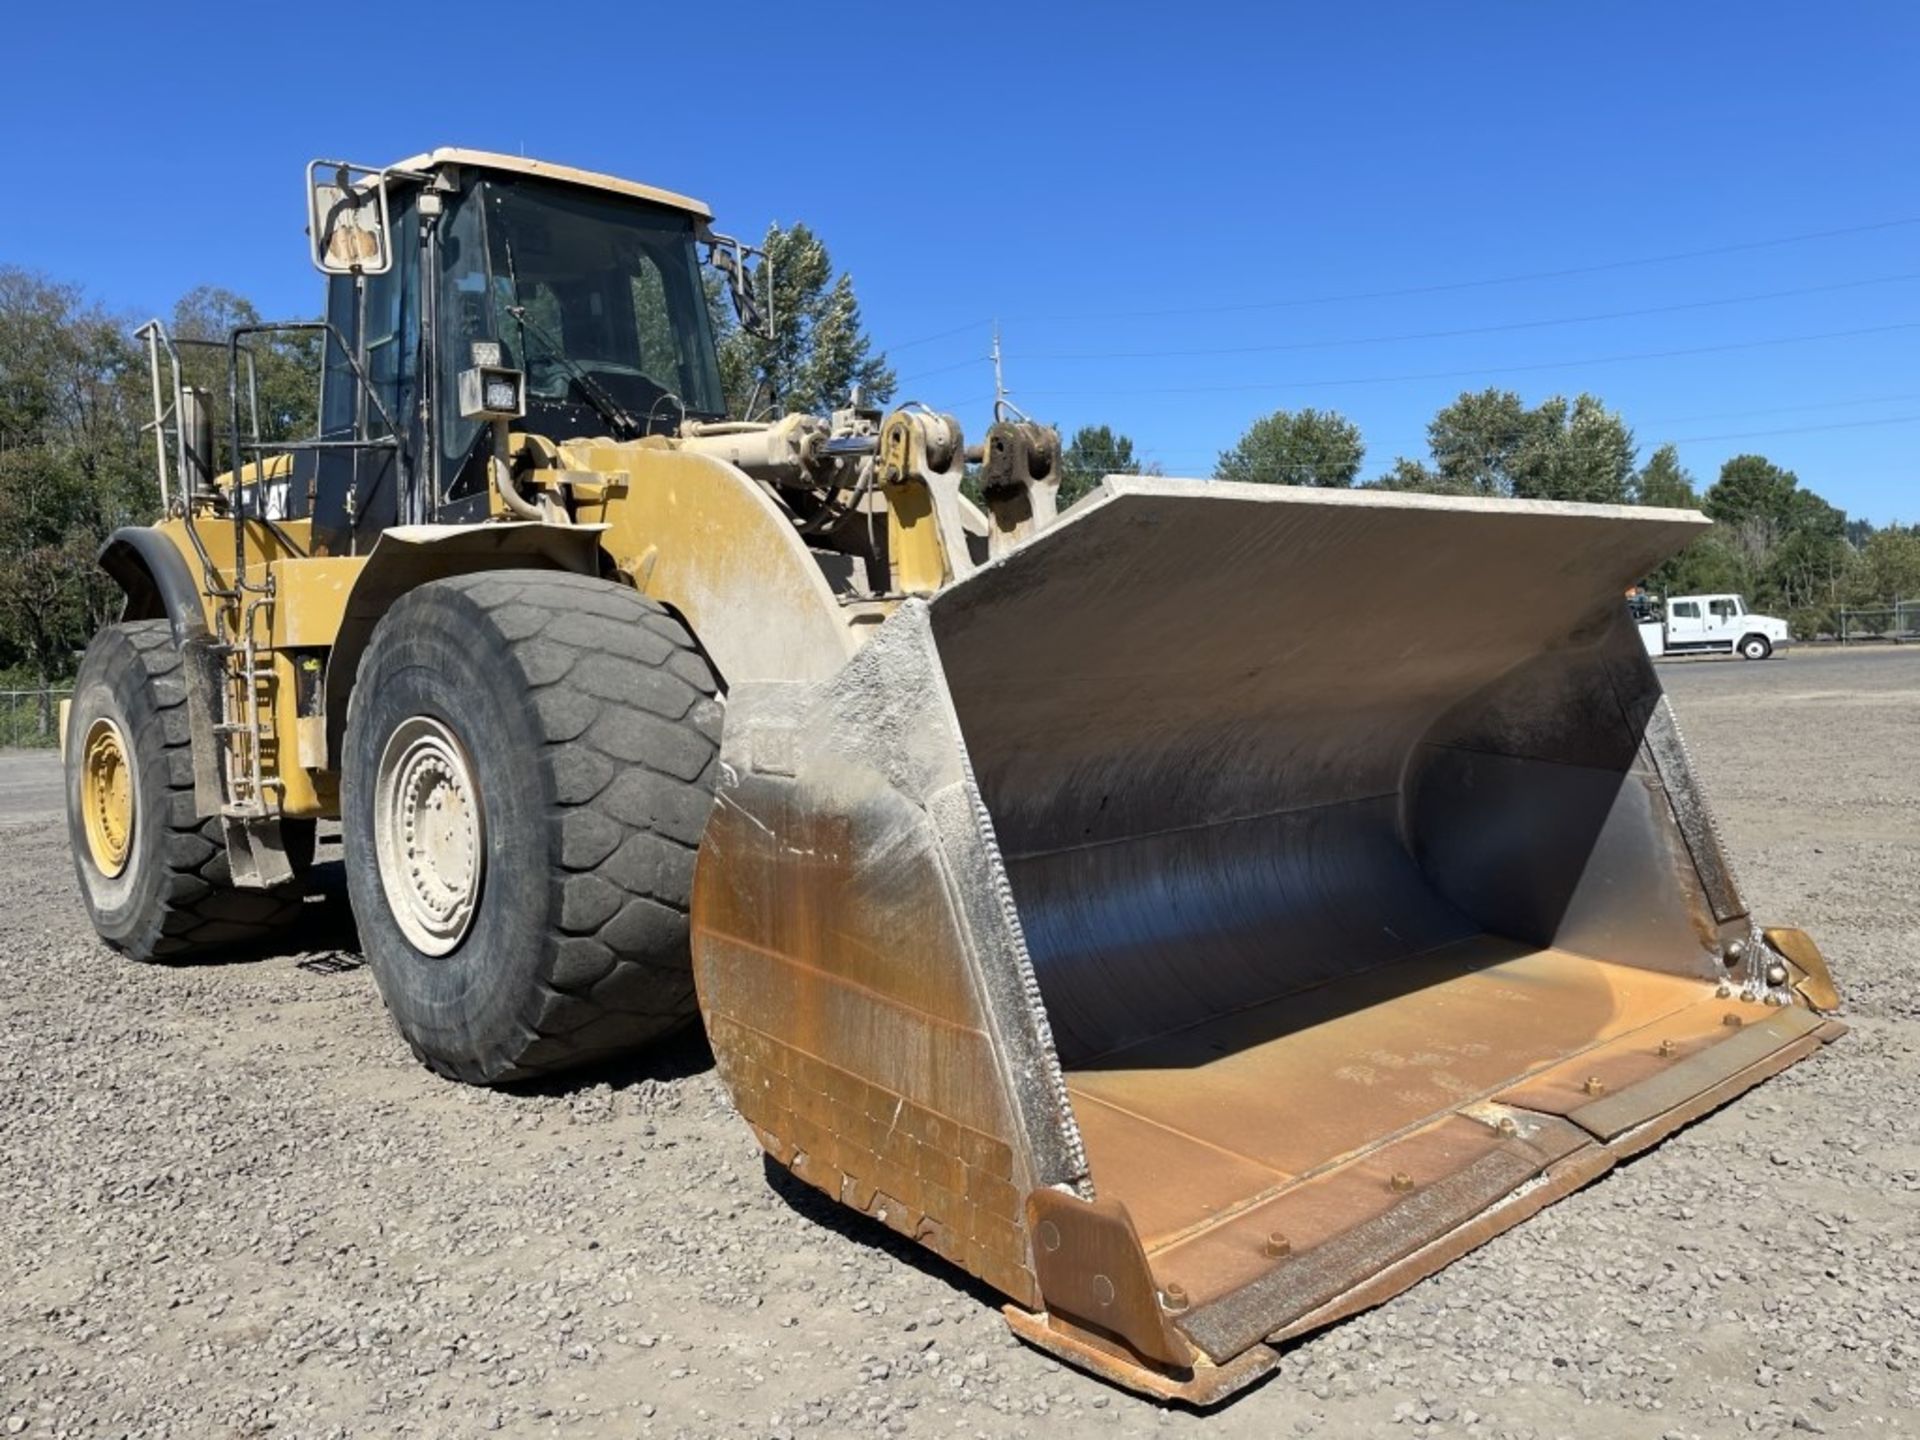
(1002, 402)
(999, 381)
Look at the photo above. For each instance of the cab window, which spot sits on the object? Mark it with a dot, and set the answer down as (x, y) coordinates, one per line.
(1723, 609)
(357, 490)
(466, 318)
(1686, 610)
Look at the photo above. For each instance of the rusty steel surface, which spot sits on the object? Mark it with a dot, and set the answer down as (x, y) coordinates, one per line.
(1187, 879)
(1289, 1087)
(1815, 981)
(1092, 1270)
(1192, 714)
(1202, 1385)
(1282, 1292)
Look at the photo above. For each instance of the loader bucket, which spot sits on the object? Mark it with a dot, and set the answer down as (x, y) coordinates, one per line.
(1224, 909)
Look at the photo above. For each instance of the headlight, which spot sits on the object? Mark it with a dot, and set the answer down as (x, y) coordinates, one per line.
(492, 393)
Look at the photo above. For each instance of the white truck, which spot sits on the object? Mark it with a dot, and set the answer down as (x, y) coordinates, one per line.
(1713, 625)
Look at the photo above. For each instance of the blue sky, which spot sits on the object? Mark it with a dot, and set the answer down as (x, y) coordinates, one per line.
(1182, 216)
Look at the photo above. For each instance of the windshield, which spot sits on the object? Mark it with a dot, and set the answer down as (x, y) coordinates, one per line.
(599, 299)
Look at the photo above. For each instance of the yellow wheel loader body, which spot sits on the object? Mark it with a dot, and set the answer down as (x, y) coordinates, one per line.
(1199, 915)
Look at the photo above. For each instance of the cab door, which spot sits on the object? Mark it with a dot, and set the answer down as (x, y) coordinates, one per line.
(361, 485)
(1723, 619)
(1685, 623)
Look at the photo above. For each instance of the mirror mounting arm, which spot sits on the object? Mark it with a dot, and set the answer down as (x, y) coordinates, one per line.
(342, 237)
(730, 256)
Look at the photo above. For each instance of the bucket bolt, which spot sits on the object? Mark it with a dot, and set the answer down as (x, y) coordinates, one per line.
(1777, 973)
(1173, 1295)
(1595, 1085)
(1731, 1021)
(1401, 1183)
(1734, 953)
(1507, 1128)
(1278, 1245)
(1667, 1047)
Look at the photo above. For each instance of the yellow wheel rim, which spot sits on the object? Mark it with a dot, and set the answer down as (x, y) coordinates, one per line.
(106, 796)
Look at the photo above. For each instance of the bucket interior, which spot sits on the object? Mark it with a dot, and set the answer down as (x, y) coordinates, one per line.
(1326, 823)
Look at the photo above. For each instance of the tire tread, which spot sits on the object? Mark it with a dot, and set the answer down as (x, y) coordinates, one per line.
(625, 706)
(199, 909)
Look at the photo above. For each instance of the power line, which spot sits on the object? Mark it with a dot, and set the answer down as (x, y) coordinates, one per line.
(1800, 429)
(919, 375)
(1445, 287)
(1322, 384)
(942, 335)
(1787, 409)
(1474, 329)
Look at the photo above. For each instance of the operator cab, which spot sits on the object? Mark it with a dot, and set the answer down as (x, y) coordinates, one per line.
(589, 286)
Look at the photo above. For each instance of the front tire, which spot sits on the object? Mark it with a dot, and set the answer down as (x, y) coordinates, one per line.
(1756, 647)
(153, 875)
(529, 766)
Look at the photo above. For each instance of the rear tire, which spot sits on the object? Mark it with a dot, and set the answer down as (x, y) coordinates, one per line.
(153, 875)
(534, 753)
(1756, 647)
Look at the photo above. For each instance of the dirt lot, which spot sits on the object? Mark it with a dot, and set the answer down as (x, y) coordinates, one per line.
(231, 1204)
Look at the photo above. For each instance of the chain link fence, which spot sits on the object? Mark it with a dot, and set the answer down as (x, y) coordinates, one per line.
(30, 719)
(1897, 622)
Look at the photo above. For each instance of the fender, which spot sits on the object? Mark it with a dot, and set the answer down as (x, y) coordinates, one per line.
(699, 536)
(408, 556)
(153, 573)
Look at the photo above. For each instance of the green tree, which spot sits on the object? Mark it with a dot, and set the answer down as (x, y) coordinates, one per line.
(1488, 442)
(1296, 447)
(1665, 482)
(71, 466)
(1792, 543)
(1713, 564)
(1752, 490)
(1094, 451)
(1887, 569)
(1476, 442)
(1574, 451)
(286, 366)
(1414, 475)
(820, 351)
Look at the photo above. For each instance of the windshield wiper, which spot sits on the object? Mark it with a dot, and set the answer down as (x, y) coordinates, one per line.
(610, 409)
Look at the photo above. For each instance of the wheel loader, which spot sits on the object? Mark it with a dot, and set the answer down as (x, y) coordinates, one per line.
(1169, 911)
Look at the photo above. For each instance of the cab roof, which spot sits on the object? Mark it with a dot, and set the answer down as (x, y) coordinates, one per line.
(520, 165)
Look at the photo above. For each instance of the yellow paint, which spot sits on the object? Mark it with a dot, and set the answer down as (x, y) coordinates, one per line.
(687, 530)
(106, 796)
(310, 599)
(520, 165)
(917, 563)
(696, 534)
(306, 792)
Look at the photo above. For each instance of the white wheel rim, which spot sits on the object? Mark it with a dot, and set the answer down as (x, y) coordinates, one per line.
(429, 835)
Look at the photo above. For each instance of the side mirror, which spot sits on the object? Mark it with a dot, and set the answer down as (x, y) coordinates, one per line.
(347, 224)
(731, 259)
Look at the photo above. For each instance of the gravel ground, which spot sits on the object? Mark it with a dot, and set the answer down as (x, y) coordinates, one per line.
(231, 1204)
